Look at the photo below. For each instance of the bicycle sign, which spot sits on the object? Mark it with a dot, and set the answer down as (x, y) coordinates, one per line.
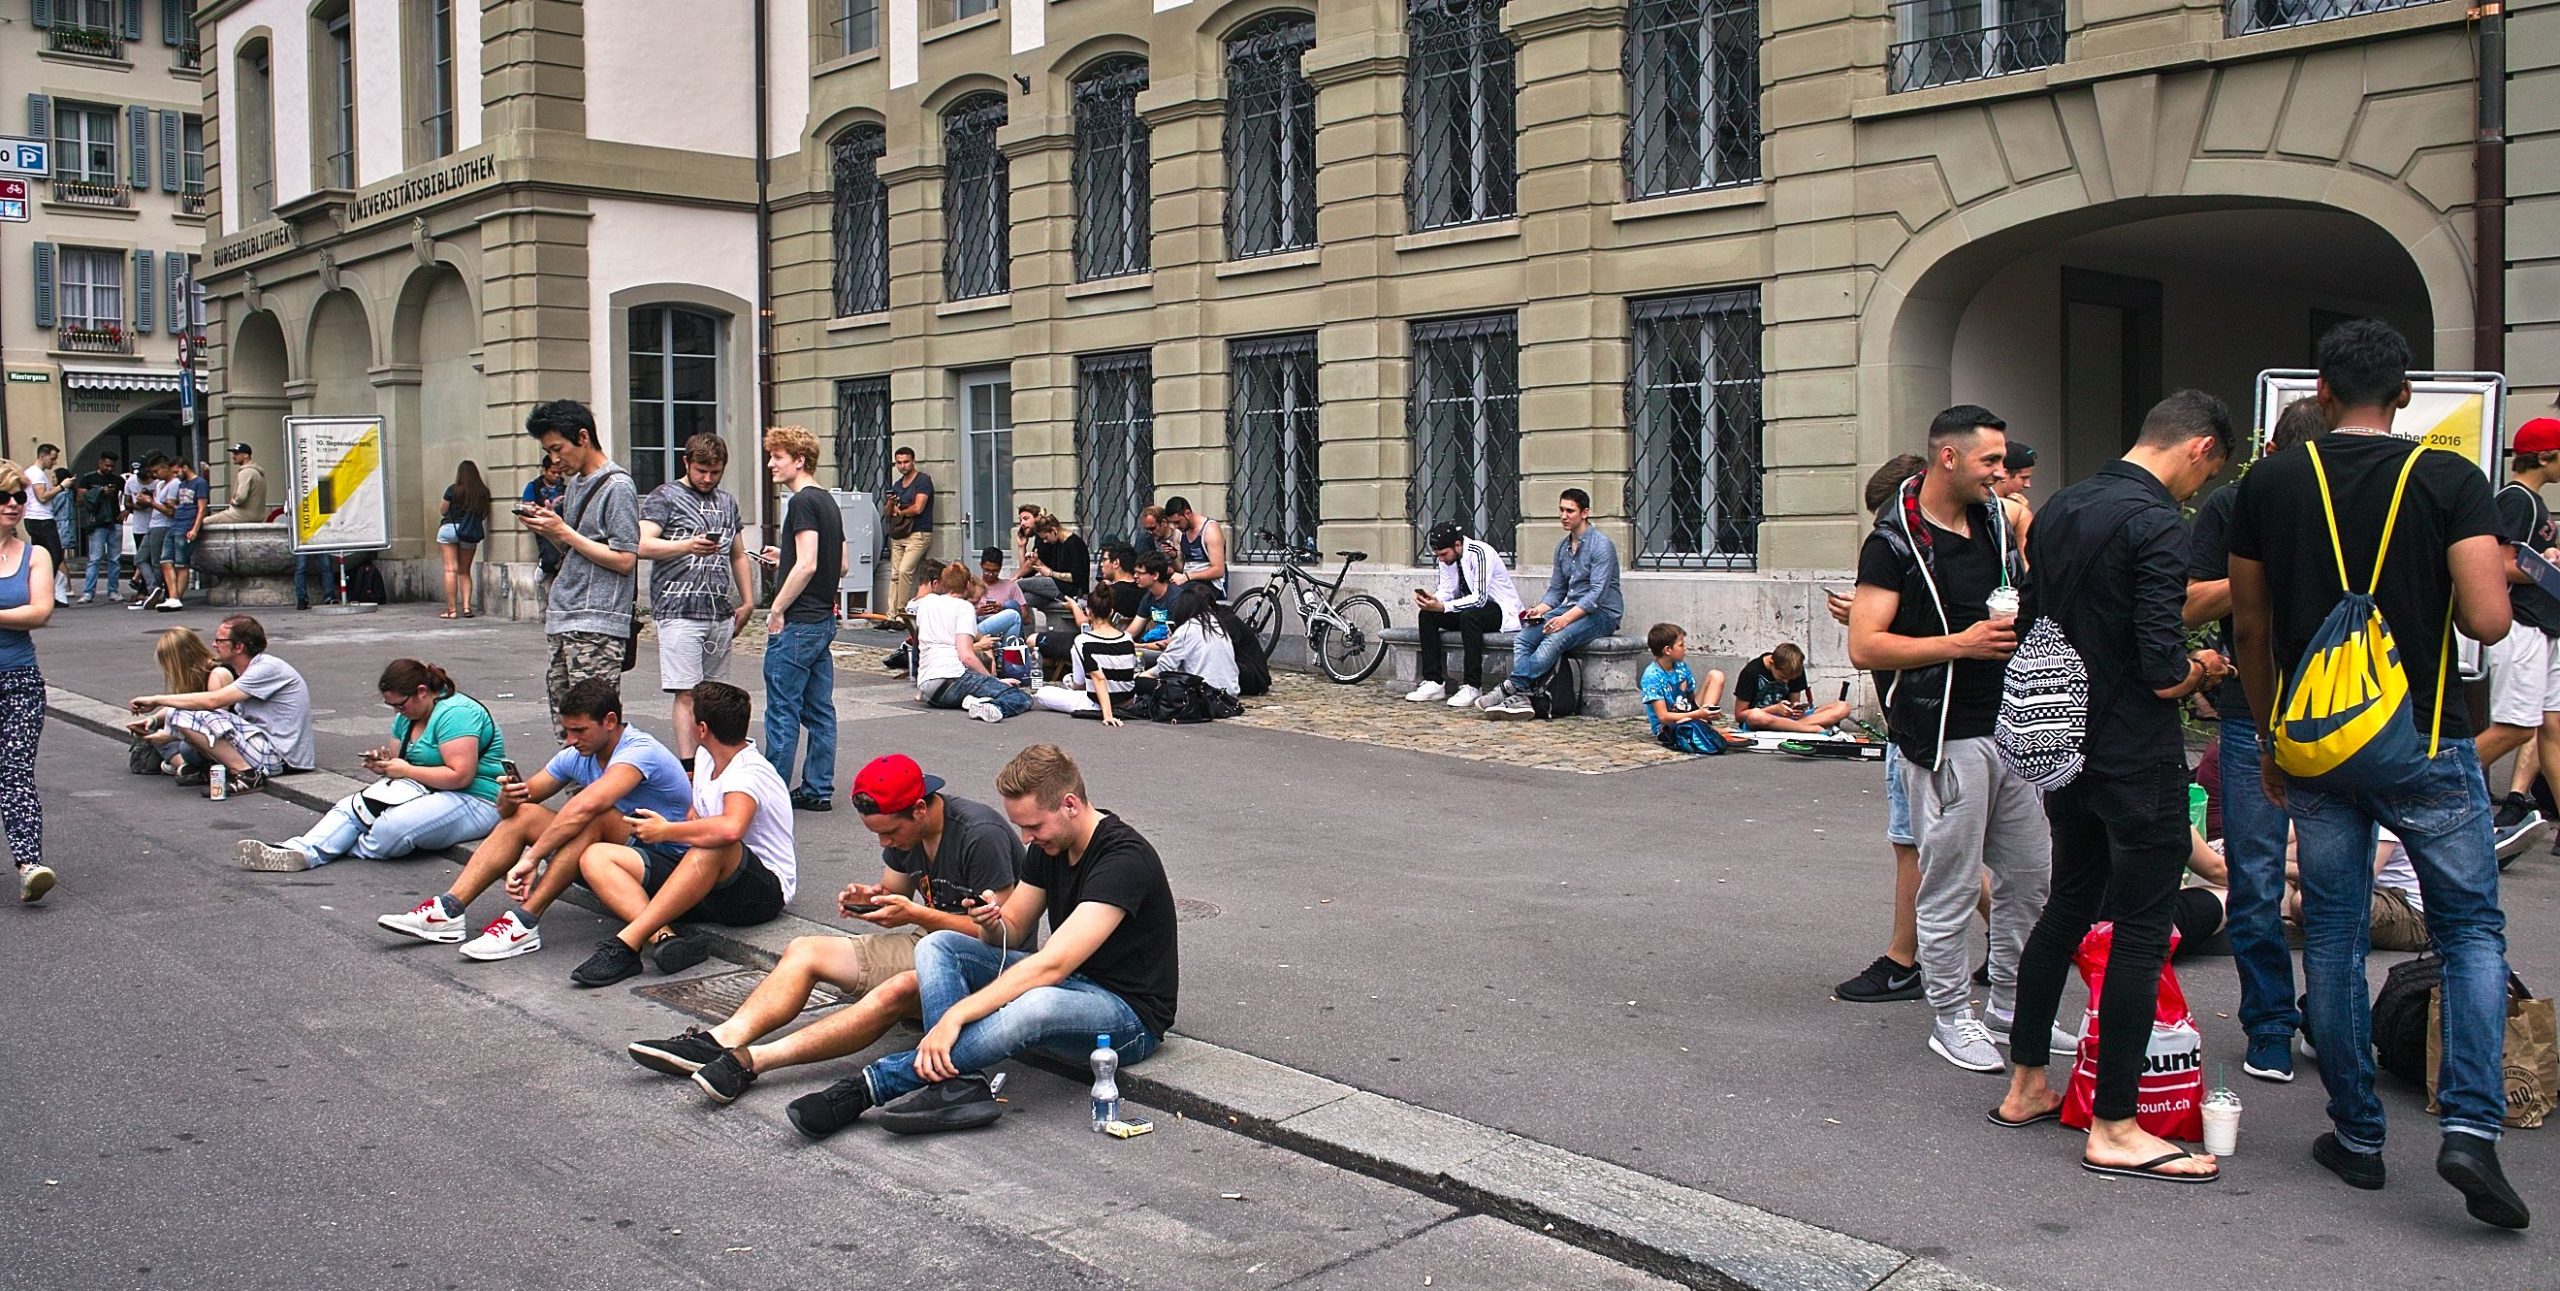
(13, 201)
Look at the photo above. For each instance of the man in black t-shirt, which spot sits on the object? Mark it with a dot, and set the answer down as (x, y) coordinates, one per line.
(937, 850)
(1771, 694)
(2524, 669)
(2446, 559)
(1110, 967)
(909, 515)
(1936, 618)
(799, 671)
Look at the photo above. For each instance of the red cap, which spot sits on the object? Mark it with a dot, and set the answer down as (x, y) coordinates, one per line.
(2540, 435)
(895, 783)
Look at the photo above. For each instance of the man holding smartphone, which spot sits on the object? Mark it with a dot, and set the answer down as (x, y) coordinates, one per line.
(1475, 596)
(937, 852)
(1582, 603)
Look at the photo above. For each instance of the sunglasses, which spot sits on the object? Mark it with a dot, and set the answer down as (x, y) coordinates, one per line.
(13, 497)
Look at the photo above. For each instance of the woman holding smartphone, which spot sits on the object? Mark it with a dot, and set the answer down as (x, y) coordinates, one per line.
(438, 786)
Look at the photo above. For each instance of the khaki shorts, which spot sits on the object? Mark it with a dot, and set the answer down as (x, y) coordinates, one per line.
(883, 955)
(2395, 925)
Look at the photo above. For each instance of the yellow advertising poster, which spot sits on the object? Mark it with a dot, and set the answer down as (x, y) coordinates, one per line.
(335, 468)
(2455, 411)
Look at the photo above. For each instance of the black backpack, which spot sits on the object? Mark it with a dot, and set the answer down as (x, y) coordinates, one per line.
(364, 583)
(1253, 668)
(2400, 1017)
(1560, 695)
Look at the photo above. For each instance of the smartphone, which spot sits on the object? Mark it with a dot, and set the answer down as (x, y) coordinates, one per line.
(508, 765)
(863, 907)
(524, 510)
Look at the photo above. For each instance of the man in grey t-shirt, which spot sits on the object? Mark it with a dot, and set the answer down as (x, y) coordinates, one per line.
(700, 581)
(598, 525)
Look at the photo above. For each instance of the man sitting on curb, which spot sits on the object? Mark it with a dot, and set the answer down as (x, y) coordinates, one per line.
(1110, 967)
(1582, 604)
(617, 771)
(257, 726)
(730, 860)
(936, 852)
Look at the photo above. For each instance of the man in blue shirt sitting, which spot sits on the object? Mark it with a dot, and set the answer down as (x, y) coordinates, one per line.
(1582, 604)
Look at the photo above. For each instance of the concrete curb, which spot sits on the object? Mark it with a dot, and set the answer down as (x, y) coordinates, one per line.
(1686, 1234)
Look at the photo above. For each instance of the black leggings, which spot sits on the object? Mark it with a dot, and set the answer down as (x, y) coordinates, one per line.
(21, 722)
(2119, 850)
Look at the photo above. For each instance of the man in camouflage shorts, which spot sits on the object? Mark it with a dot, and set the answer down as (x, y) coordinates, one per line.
(598, 528)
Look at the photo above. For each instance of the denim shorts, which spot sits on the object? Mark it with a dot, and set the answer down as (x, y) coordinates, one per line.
(1897, 806)
(450, 535)
(177, 549)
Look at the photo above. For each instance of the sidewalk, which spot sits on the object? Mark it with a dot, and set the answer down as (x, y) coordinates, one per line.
(1631, 967)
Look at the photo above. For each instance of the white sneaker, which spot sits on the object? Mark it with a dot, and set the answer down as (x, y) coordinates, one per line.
(426, 921)
(33, 882)
(504, 938)
(85, 598)
(268, 858)
(173, 603)
(1965, 1042)
(1488, 699)
(1427, 692)
(984, 710)
(1997, 1021)
(1466, 695)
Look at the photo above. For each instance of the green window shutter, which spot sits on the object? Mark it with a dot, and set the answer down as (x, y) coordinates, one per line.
(133, 19)
(44, 13)
(140, 137)
(173, 22)
(40, 118)
(142, 291)
(181, 299)
(44, 284)
(170, 143)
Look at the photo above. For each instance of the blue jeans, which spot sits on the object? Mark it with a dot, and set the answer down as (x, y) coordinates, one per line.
(2442, 817)
(800, 693)
(146, 559)
(306, 566)
(2253, 833)
(1061, 1019)
(1003, 623)
(106, 543)
(1535, 650)
(1013, 701)
(435, 821)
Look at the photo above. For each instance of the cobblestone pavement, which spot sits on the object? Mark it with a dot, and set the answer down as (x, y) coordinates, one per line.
(1367, 714)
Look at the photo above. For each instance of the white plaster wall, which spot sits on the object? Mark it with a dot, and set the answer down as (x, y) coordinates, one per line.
(786, 78)
(466, 76)
(659, 72)
(905, 43)
(287, 22)
(379, 110)
(634, 243)
(1028, 22)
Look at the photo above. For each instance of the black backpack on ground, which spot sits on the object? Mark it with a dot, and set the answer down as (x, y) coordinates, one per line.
(2400, 1017)
(1560, 694)
(364, 582)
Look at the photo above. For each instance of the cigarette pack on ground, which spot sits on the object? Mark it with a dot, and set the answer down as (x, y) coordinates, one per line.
(1120, 1129)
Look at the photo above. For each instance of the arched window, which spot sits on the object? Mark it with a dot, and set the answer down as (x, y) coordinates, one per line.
(1271, 138)
(861, 222)
(1458, 104)
(1693, 95)
(675, 388)
(977, 248)
(1111, 171)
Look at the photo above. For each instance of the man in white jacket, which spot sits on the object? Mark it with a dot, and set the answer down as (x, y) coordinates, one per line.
(1475, 597)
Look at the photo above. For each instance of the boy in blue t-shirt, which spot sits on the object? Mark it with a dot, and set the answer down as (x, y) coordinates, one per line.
(1674, 709)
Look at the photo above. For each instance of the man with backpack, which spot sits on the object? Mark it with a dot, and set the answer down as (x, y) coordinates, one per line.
(2111, 552)
(1935, 618)
(588, 620)
(2524, 669)
(2364, 525)
(1582, 604)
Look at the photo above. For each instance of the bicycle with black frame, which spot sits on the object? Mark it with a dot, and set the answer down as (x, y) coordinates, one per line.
(1347, 635)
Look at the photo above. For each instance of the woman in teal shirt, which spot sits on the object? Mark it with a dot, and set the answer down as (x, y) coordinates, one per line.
(439, 781)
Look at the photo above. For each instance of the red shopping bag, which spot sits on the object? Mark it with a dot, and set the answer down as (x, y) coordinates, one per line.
(2170, 1101)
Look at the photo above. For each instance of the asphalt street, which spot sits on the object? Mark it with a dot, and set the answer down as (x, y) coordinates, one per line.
(1635, 966)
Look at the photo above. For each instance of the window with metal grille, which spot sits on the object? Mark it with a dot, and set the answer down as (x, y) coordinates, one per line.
(861, 222)
(1940, 42)
(976, 235)
(1464, 415)
(1270, 138)
(1693, 409)
(1458, 102)
(337, 69)
(857, 25)
(2268, 15)
(1273, 486)
(88, 288)
(1115, 442)
(1111, 170)
(1693, 95)
(84, 144)
(675, 389)
(862, 435)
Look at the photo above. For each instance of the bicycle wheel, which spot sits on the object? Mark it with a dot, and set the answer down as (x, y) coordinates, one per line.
(1352, 648)
(1259, 611)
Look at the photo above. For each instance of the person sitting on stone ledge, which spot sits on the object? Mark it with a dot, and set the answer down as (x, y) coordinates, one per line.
(1582, 604)
(1475, 597)
(1772, 695)
(438, 787)
(937, 851)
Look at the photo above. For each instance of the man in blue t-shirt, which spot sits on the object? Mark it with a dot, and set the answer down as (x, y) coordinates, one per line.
(615, 771)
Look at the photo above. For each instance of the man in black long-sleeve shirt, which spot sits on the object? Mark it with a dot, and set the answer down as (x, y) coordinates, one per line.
(2110, 557)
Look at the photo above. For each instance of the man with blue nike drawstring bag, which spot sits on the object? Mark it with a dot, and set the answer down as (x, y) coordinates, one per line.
(2351, 563)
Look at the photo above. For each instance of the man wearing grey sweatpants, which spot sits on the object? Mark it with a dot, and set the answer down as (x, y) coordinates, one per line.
(1936, 618)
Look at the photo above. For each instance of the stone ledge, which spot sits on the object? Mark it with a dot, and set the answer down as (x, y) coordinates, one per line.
(1612, 668)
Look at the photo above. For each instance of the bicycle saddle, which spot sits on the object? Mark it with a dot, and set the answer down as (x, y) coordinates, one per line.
(1353, 555)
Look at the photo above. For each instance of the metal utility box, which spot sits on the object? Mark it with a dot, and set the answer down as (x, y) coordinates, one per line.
(860, 513)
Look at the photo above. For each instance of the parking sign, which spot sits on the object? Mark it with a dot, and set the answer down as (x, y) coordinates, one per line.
(22, 156)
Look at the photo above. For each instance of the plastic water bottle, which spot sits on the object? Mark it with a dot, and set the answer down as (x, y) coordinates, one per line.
(1106, 1083)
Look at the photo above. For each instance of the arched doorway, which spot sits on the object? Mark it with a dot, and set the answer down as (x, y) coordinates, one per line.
(341, 350)
(253, 403)
(437, 421)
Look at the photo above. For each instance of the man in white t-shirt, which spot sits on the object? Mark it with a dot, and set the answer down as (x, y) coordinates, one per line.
(950, 671)
(731, 861)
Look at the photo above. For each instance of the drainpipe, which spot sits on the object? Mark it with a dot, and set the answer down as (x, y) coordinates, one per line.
(2489, 202)
(764, 268)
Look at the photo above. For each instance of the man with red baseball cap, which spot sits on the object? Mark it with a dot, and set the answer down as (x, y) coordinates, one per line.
(2524, 669)
(938, 852)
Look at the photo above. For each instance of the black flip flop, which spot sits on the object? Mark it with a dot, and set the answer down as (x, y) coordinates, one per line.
(2053, 1113)
(2151, 1169)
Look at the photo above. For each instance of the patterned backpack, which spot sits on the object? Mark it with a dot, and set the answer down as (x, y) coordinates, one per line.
(2044, 704)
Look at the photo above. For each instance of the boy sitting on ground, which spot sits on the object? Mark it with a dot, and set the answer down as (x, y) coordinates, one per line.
(1678, 718)
(1772, 695)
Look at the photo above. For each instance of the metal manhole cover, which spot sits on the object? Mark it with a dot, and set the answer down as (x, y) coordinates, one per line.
(1192, 910)
(714, 998)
